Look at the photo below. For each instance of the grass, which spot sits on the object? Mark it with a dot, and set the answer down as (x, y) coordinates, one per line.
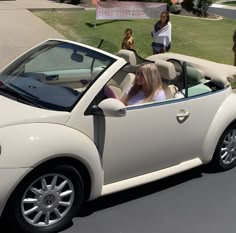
(233, 85)
(209, 39)
(230, 3)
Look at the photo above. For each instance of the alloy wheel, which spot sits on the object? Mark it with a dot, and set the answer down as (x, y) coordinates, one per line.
(228, 148)
(47, 200)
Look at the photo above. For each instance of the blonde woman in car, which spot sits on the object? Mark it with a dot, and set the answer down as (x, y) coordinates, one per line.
(147, 86)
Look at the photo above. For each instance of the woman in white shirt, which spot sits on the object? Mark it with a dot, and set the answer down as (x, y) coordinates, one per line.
(147, 86)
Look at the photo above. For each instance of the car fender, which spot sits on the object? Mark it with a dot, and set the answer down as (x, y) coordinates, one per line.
(225, 115)
(29, 145)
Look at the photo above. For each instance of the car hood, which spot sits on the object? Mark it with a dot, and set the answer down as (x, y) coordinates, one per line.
(13, 113)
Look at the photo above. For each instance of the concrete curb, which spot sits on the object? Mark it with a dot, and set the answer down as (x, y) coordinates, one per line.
(55, 9)
(218, 17)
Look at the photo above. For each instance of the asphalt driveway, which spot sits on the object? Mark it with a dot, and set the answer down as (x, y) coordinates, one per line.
(20, 29)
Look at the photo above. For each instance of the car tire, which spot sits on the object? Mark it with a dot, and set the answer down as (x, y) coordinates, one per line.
(225, 153)
(47, 200)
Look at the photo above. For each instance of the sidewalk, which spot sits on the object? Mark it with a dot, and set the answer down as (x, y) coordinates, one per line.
(223, 10)
(220, 5)
(20, 29)
(35, 4)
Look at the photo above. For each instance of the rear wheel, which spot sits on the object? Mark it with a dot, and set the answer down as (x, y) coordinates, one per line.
(225, 153)
(47, 200)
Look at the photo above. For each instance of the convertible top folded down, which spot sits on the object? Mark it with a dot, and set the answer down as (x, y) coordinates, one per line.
(220, 74)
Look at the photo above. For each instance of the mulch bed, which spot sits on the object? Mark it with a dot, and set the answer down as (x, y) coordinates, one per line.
(191, 14)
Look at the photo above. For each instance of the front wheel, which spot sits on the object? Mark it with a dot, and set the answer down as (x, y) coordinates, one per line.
(47, 200)
(225, 152)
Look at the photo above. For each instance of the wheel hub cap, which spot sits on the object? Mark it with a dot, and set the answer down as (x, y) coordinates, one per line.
(232, 146)
(47, 200)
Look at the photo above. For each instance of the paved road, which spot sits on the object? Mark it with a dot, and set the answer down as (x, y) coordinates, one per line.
(193, 202)
(226, 11)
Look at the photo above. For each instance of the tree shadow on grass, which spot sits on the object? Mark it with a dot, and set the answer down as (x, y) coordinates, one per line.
(97, 24)
(64, 1)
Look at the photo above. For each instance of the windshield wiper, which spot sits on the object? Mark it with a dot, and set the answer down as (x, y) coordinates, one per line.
(5, 89)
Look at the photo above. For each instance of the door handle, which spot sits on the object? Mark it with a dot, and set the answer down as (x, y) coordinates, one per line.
(182, 116)
(52, 77)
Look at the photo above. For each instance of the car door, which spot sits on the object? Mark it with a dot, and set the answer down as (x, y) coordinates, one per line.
(155, 136)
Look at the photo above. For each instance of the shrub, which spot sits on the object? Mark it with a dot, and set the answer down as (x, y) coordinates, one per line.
(188, 5)
(199, 7)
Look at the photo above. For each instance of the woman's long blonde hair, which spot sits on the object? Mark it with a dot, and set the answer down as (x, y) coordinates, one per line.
(153, 82)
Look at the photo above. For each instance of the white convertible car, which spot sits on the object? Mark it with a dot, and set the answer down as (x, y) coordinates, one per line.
(64, 141)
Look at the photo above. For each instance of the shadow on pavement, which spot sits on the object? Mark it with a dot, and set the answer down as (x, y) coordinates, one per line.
(4, 228)
(139, 192)
(131, 194)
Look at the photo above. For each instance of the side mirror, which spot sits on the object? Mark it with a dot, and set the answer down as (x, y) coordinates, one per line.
(110, 107)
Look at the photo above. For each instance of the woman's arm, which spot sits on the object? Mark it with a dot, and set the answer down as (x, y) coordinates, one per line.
(123, 99)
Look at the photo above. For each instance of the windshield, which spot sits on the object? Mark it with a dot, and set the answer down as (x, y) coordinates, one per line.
(54, 75)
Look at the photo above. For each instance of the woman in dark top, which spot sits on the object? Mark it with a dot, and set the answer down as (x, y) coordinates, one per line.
(161, 34)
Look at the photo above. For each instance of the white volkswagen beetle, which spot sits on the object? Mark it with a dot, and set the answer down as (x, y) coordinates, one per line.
(63, 141)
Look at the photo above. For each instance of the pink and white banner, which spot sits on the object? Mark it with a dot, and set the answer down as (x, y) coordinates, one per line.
(128, 10)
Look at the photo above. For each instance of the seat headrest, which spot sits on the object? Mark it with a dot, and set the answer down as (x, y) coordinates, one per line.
(128, 55)
(166, 69)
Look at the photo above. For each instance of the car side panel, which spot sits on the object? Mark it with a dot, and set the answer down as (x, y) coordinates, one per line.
(37, 143)
(225, 115)
(151, 138)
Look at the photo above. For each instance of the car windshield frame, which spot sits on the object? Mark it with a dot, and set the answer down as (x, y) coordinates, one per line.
(54, 75)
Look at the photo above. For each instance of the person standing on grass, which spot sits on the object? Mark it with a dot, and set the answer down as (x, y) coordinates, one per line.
(128, 40)
(161, 34)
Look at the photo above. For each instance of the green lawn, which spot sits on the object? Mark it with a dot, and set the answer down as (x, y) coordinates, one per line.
(231, 3)
(210, 39)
